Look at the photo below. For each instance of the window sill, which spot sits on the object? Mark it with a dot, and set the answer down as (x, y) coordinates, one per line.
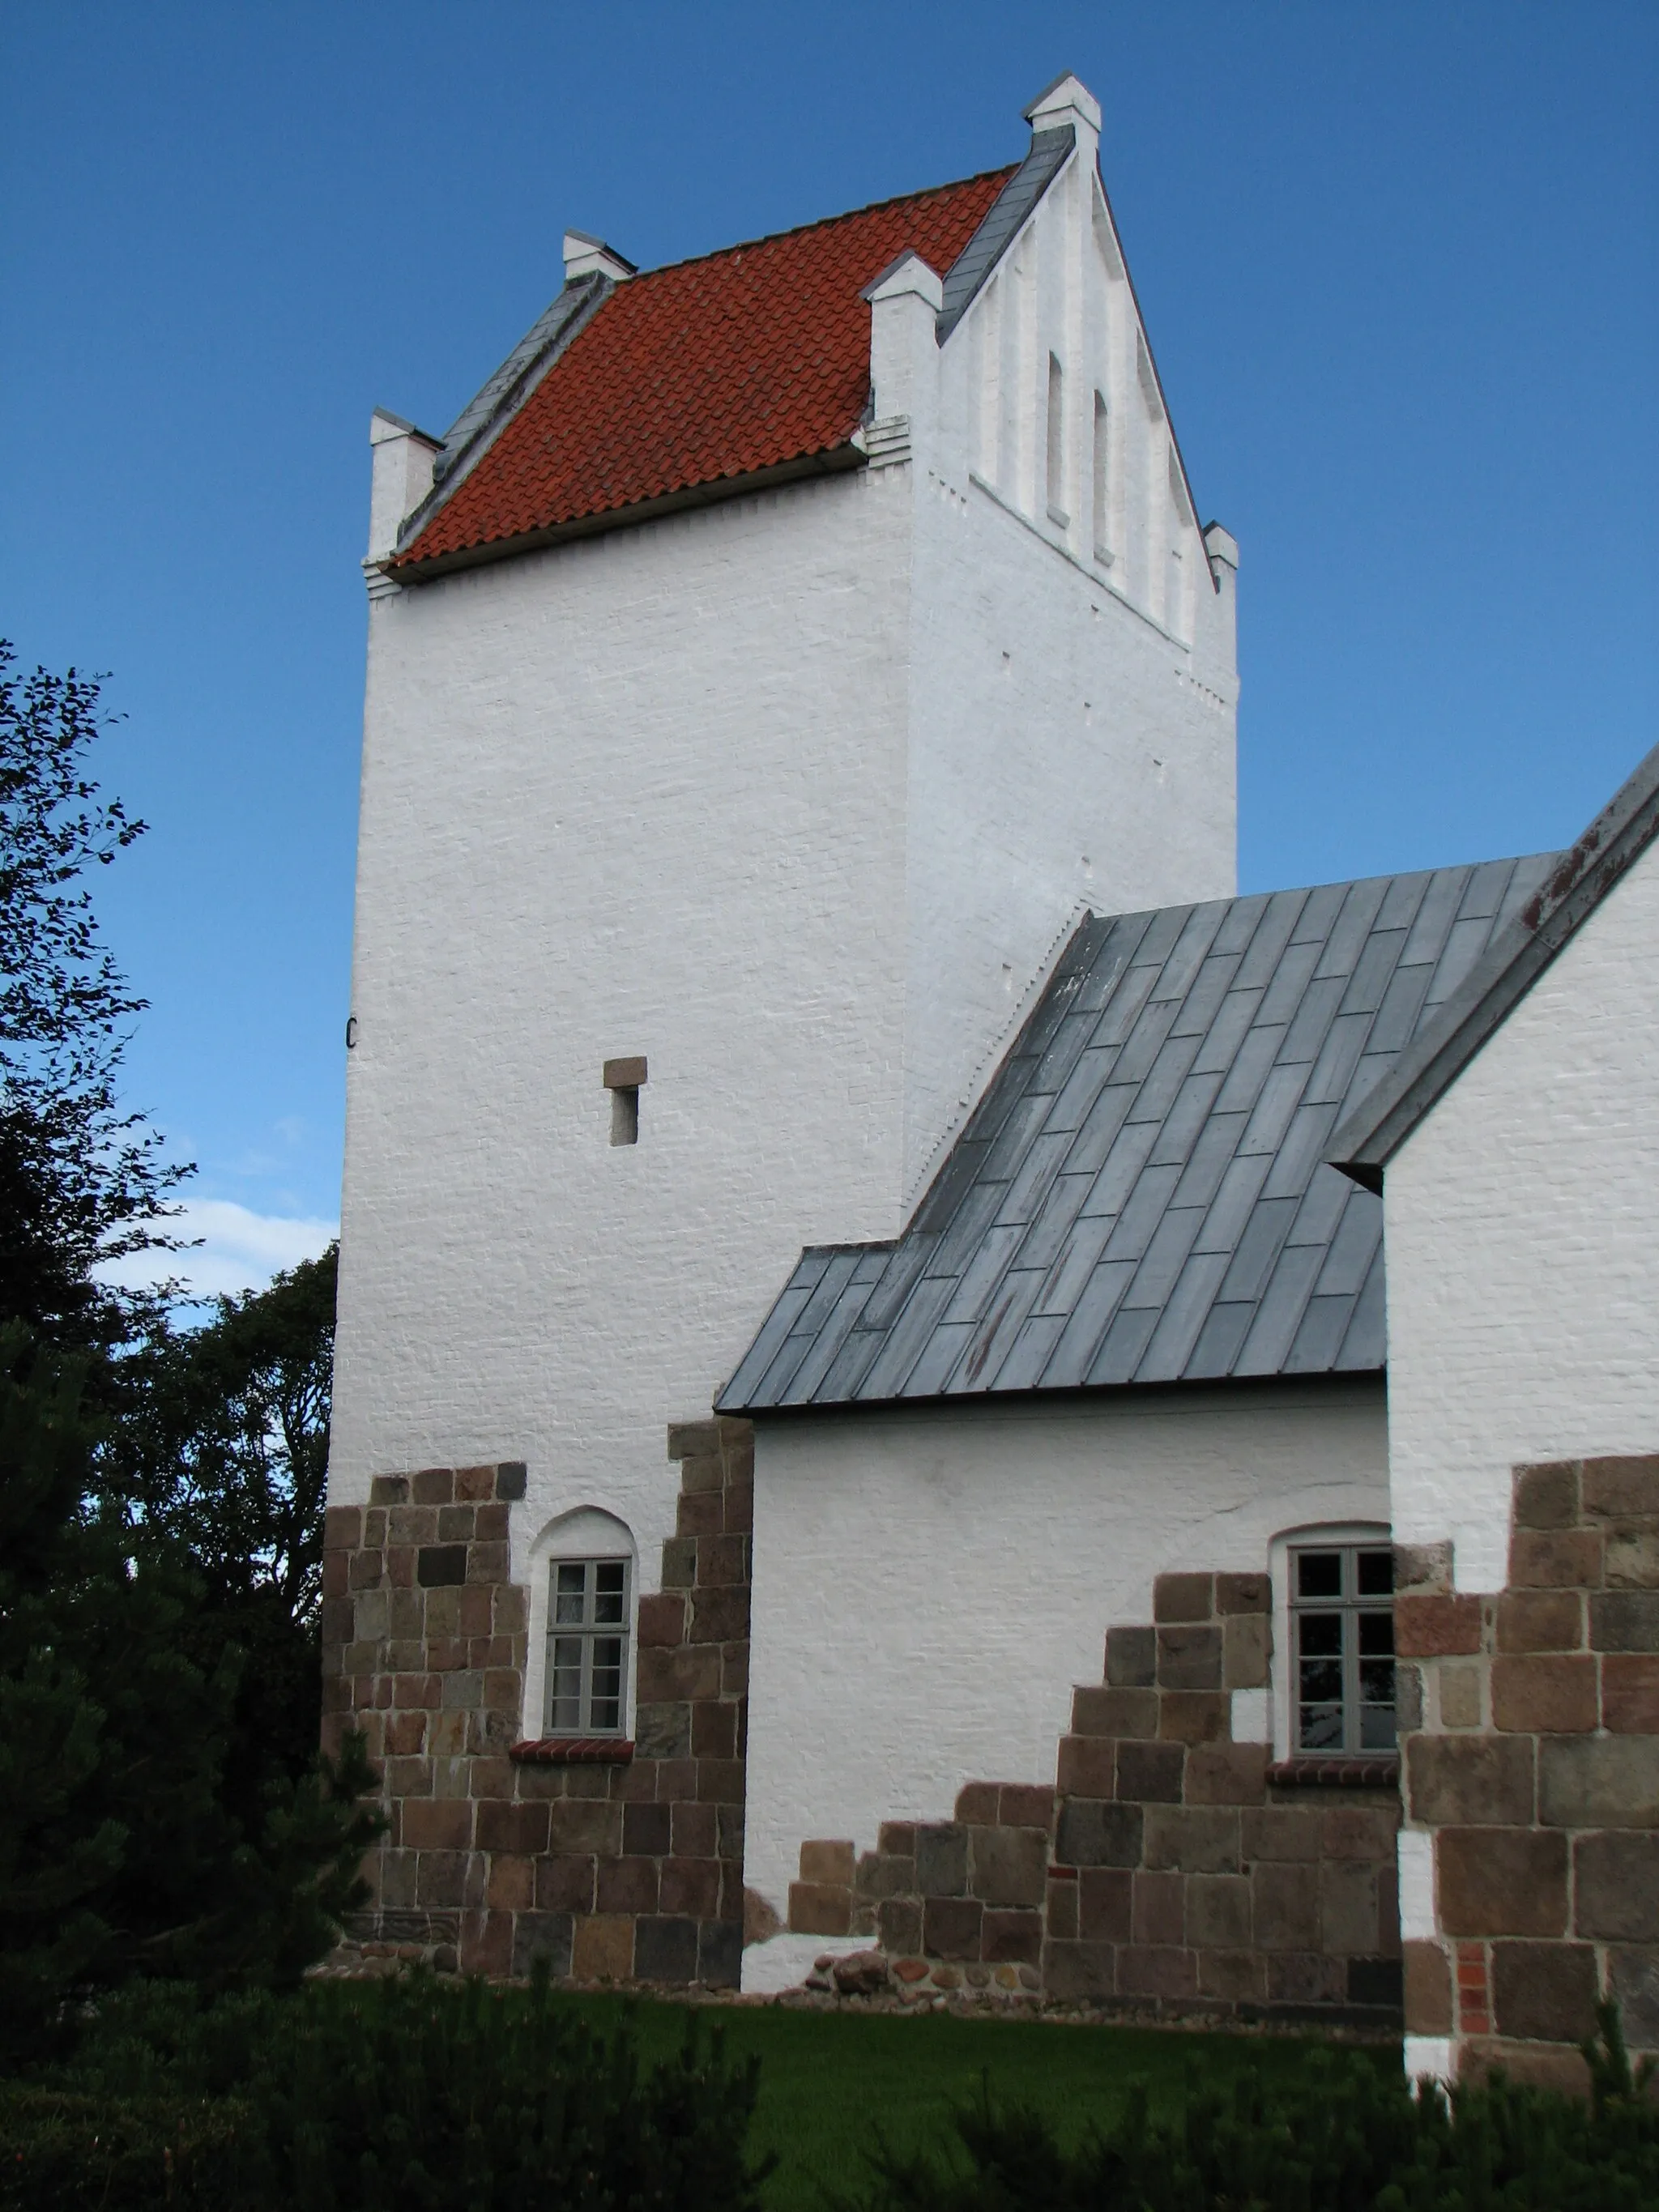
(1376, 1773)
(573, 1751)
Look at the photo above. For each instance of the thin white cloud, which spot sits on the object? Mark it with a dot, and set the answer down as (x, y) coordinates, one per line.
(239, 1250)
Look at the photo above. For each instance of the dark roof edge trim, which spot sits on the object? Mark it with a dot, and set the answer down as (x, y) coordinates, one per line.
(834, 460)
(1001, 224)
(1081, 1393)
(1580, 881)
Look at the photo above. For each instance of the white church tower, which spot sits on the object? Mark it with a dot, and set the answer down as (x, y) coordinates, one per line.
(776, 659)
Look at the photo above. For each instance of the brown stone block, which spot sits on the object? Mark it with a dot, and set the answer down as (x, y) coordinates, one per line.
(693, 1886)
(1241, 1976)
(1105, 1903)
(1348, 1924)
(662, 1732)
(1306, 1978)
(1073, 1972)
(1550, 1696)
(1633, 1985)
(437, 1824)
(1545, 1496)
(1156, 1972)
(817, 1908)
(512, 1604)
(1616, 1888)
(564, 1885)
(473, 1485)
(1227, 1774)
(474, 1614)
(1621, 1489)
(876, 1875)
(1563, 1559)
(1247, 1593)
(1630, 1694)
(826, 1860)
(1428, 1989)
(493, 1524)
(503, 1690)
(1158, 1908)
(1432, 1626)
(898, 1923)
(740, 1514)
(694, 1831)
(662, 1621)
(486, 1942)
(1423, 1567)
(722, 1560)
(950, 1927)
(734, 1669)
(1501, 1881)
(626, 1886)
(702, 1471)
(1285, 1908)
(698, 1514)
(1092, 1834)
(1195, 1839)
(898, 1838)
(405, 1733)
(1460, 1697)
(1151, 1773)
(1544, 1992)
(695, 1439)
(455, 1524)
(1630, 1557)
(582, 1826)
(400, 1561)
(411, 1524)
(1541, 1620)
(714, 1730)
(646, 1830)
(1190, 1658)
(1598, 1782)
(1620, 1621)
(1008, 1938)
(511, 1886)
(1557, 2066)
(1108, 1712)
(441, 1878)
(1469, 1781)
(677, 1781)
(433, 1485)
(394, 1878)
(1359, 1831)
(342, 1528)
(684, 1674)
(407, 1777)
(1219, 1912)
(1246, 1645)
(1061, 1910)
(1087, 1766)
(1194, 1715)
(719, 1782)
(679, 1563)
(1026, 1805)
(338, 1568)
(1131, 1658)
(602, 1948)
(941, 1856)
(512, 1827)
(388, 1489)
(364, 1569)
(1183, 1597)
(976, 1801)
(486, 1563)
(1007, 1866)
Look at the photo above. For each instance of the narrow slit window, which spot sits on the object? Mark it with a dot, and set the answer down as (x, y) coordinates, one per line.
(1056, 443)
(587, 1619)
(624, 1079)
(1101, 483)
(1342, 1631)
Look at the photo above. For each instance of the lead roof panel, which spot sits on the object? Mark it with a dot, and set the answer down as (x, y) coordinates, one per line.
(1141, 1196)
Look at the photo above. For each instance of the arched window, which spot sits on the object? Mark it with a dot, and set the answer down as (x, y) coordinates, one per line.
(586, 1578)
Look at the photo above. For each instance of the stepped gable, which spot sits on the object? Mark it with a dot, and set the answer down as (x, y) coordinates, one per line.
(1141, 1195)
(717, 369)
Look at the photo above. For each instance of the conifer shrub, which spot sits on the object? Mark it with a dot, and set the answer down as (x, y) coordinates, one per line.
(1340, 2135)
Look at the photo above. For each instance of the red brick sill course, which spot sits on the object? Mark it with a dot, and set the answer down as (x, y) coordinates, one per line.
(573, 1751)
(1335, 1773)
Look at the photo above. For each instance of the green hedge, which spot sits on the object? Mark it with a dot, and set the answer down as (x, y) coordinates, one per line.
(1337, 2137)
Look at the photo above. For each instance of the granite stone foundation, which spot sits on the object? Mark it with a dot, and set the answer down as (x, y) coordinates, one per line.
(610, 1860)
(1167, 1869)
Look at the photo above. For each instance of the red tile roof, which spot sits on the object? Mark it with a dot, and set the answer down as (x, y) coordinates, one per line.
(708, 369)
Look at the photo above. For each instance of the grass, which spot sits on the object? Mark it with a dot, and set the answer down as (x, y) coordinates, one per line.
(832, 2081)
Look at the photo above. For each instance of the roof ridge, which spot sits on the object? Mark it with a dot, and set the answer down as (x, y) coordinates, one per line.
(824, 222)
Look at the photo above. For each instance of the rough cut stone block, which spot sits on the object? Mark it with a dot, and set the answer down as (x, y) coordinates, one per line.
(941, 1856)
(1062, 1908)
(1306, 1978)
(715, 1729)
(1616, 1888)
(1431, 1627)
(1246, 1642)
(1547, 1496)
(1227, 1774)
(820, 1909)
(341, 1528)
(1621, 1489)
(1251, 1593)
(502, 1827)
(1427, 1989)
(1460, 1697)
(1359, 1832)
(1190, 1658)
(1631, 1558)
(1159, 1908)
(1131, 1658)
(1469, 1781)
(665, 1950)
(740, 1509)
(1219, 1912)
(1633, 1984)
(1194, 1716)
(440, 1564)
(455, 1524)
(564, 1885)
(722, 1560)
(1104, 1903)
(388, 1489)
(433, 1485)
(474, 1486)
(719, 1782)
(1347, 1908)
(1192, 1840)
(1630, 1694)
(1239, 1977)
(1565, 1558)
(687, 1439)
(719, 1953)
(538, 1937)
(686, 1673)
(719, 1616)
(1108, 1712)
(1285, 1908)
(897, 1838)
(662, 1730)
(1092, 1834)
(1008, 1866)
(977, 1803)
(662, 1620)
(646, 1830)
(898, 1924)
(1541, 1620)
(1074, 1972)
(1010, 1938)
(702, 1470)
(878, 1876)
(437, 1824)
(1087, 1766)
(731, 1833)
(690, 1887)
(441, 1879)
(581, 1825)
(1625, 1621)
(1546, 1696)
(1423, 1567)
(626, 1886)
(1183, 1597)
(950, 1927)
(511, 1478)
(828, 1862)
(1157, 1971)
(1026, 1805)
(1544, 1992)
(1598, 1782)
(1151, 1772)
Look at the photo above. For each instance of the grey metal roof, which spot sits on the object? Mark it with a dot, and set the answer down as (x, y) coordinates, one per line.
(1578, 881)
(1047, 153)
(1141, 1195)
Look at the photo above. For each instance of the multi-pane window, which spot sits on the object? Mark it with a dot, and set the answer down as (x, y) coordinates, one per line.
(1342, 1636)
(587, 1647)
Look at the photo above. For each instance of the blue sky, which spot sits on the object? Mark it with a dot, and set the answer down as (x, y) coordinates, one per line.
(1398, 263)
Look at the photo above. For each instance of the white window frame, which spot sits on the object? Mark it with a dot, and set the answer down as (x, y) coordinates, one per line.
(1318, 1536)
(597, 1625)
